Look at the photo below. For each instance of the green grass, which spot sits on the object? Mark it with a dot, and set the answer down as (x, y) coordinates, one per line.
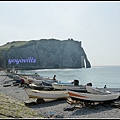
(12, 108)
(14, 44)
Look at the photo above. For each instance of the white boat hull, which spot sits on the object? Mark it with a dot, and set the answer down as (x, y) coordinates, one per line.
(93, 97)
(29, 80)
(65, 86)
(46, 94)
(96, 91)
(36, 86)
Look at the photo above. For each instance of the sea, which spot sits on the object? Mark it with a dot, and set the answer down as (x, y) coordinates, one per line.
(99, 76)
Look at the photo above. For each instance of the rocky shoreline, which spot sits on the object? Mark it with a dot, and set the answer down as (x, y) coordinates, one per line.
(56, 107)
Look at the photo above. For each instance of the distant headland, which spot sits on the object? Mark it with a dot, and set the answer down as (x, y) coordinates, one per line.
(43, 54)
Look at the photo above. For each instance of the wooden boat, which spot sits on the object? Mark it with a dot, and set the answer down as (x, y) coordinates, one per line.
(12, 74)
(46, 94)
(48, 83)
(68, 86)
(42, 84)
(28, 80)
(110, 89)
(90, 89)
(90, 97)
(36, 86)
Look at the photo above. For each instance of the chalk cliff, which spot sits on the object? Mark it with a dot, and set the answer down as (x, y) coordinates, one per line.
(47, 54)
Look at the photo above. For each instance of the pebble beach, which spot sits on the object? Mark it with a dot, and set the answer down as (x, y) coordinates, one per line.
(57, 107)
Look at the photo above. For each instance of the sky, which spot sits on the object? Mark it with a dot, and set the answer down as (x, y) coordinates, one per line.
(95, 23)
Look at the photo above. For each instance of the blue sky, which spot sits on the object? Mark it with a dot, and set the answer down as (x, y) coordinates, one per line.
(95, 24)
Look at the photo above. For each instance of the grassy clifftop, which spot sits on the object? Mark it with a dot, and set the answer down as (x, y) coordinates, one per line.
(12, 108)
(12, 44)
